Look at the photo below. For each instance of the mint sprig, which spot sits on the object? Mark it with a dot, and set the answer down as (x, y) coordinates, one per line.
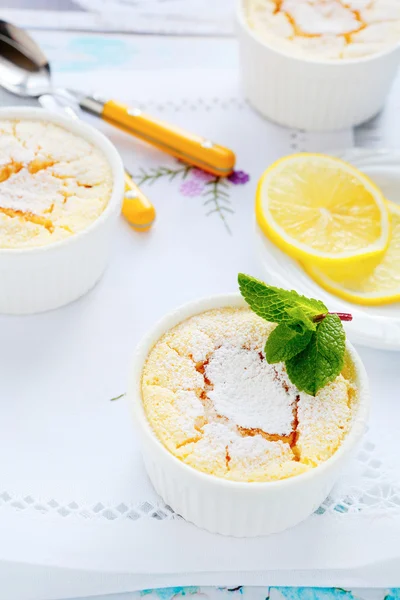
(310, 340)
(277, 305)
(322, 359)
(284, 343)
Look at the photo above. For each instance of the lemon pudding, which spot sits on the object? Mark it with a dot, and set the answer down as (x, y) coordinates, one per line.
(217, 405)
(326, 29)
(53, 183)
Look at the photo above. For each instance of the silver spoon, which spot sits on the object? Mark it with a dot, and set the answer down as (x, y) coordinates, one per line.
(30, 71)
(25, 71)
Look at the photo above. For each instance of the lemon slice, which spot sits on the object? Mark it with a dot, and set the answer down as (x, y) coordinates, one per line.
(321, 209)
(371, 286)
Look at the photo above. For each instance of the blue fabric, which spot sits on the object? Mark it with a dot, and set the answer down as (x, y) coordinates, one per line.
(255, 593)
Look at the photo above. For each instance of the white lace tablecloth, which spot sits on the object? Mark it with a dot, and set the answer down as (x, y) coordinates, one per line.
(73, 492)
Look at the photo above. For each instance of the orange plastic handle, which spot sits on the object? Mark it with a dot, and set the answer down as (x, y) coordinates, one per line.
(188, 147)
(137, 208)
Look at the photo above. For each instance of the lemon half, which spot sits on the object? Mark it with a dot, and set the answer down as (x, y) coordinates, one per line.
(368, 286)
(319, 208)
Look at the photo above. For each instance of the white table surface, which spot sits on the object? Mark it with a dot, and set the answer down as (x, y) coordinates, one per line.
(70, 52)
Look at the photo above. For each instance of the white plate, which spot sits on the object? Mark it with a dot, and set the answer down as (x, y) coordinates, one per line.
(374, 326)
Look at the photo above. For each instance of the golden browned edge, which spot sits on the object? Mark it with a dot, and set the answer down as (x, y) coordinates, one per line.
(299, 32)
(36, 165)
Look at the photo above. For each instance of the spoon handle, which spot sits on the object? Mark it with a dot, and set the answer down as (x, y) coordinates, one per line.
(188, 147)
(137, 208)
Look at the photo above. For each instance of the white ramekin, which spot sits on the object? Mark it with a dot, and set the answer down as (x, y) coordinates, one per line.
(229, 507)
(308, 93)
(38, 279)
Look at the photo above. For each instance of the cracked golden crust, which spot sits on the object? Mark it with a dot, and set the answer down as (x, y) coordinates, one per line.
(326, 29)
(53, 183)
(175, 392)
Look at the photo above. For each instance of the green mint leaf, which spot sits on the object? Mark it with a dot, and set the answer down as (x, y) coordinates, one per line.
(322, 359)
(301, 321)
(283, 343)
(273, 304)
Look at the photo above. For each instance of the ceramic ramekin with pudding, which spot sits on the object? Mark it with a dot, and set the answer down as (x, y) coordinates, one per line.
(299, 77)
(228, 441)
(61, 191)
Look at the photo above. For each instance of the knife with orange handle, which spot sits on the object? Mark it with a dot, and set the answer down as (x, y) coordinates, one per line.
(185, 146)
(137, 208)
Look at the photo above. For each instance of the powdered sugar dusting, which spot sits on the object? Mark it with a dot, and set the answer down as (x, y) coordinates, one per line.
(224, 452)
(326, 29)
(217, 405)
(323, 422)
(246, 390)
(53, 183)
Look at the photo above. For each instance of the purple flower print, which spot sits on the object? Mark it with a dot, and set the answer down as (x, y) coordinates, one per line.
(238, 177)
(202, 175)
(191, 188)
